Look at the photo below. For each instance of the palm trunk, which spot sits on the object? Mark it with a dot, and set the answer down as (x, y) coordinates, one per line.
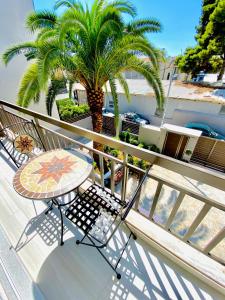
(96, 101)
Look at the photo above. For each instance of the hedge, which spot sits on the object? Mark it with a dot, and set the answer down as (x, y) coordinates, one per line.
(67, 109)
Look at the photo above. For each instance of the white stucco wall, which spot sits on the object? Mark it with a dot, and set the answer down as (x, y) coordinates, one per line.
(141, 104)
(12, 31)
(149, 134)
(178, 111)
(182, 117)
(191, 105)
(190, 146)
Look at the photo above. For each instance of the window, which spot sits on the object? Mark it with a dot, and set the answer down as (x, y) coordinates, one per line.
(222, 110)
(111, 104)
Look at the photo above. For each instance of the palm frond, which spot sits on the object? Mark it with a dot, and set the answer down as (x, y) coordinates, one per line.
(124, 84)
(48, 61)
(29, 89)
(139, 27)
(53, 90)
(40, 20)
(151, 76)
(123, 7)
(24, 48)
(69, 4)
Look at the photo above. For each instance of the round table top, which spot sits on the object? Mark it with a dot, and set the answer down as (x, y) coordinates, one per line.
(52, 174)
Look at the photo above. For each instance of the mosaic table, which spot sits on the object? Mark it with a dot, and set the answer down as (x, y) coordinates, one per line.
(53, 174)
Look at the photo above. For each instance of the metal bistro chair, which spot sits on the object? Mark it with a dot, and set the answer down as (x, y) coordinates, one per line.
(21, 141)
(98, 214)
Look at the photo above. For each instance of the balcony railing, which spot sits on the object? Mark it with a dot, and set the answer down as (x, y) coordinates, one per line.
(52, 139)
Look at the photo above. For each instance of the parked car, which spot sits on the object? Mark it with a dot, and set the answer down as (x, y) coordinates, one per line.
(134, 117)
(206, 130)
(107, 113)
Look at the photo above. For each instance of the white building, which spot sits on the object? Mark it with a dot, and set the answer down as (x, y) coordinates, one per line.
(186, 103)
(167, 69)
(13, 31)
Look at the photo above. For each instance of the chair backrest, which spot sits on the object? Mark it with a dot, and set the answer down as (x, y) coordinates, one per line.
(24, 138)
(135, 194)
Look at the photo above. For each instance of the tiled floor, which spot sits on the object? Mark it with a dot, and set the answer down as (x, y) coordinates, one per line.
(78, 272)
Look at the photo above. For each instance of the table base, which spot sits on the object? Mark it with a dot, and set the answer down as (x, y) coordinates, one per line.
(55, 202)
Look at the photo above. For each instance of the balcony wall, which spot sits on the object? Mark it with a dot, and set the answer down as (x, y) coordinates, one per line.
(153, 217)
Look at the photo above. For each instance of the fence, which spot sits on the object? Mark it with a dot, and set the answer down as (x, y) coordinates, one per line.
(210, 152)
(131, 126)
(109, 126)
(76, 118)
(53, 140)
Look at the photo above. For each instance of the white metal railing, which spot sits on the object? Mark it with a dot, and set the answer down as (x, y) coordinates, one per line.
(52, 140)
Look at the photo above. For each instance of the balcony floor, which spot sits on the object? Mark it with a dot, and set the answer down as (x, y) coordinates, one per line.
(79, 272)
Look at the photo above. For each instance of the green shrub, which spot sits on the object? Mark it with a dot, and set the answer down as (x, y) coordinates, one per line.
(114, 152)
(130, 159)
(107, 149)
(68, 109)
(188, 152)
(134, 142)
(127, 137)
(122, 136)
(135, 161)
(141, 145)
(153, 148)
(142, 164)
(64, 102)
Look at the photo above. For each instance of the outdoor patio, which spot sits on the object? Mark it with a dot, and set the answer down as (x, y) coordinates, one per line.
(177, 217)
(78, 272)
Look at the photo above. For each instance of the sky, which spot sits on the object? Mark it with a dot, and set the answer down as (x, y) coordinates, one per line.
(178, 19)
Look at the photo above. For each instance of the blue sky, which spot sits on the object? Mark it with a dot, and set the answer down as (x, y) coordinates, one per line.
(178, 17)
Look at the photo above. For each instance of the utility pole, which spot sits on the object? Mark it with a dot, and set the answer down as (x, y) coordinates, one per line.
(168, 94)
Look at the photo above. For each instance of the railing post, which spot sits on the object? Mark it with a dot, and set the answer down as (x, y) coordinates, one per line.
(112, 179)
(196, 222)
(139, 193)
(125, 178)
(215, 241)
(155, 200)
(101, 161)
(174, 210)
(40, 132)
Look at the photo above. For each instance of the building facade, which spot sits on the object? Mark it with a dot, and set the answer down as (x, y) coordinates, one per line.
(13, 31)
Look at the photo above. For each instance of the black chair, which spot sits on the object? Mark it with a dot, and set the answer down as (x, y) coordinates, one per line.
(98, 214)
(21, 141)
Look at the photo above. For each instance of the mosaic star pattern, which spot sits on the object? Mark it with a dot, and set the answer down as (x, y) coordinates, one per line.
(24, 144)
(55, 168)
(52, 174)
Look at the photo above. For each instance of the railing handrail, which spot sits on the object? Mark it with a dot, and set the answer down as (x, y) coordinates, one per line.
(210, 177)
(188, 191)
(54, 140)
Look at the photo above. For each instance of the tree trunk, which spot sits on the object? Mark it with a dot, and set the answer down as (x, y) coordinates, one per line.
(222, 70)
(96, 101)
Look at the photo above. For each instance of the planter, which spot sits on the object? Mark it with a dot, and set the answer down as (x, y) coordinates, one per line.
(76, 118)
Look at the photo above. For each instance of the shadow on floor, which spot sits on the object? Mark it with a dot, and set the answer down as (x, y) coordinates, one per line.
(79, 272)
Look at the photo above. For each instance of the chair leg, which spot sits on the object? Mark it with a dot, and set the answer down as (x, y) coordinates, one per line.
(114, 268)
(49, 208)
(118, 275)
(59, 208)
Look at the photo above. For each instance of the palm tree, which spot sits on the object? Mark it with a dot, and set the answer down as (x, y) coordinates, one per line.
(90, 45)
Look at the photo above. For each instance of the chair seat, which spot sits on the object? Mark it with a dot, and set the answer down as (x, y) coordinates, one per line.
(86, 209)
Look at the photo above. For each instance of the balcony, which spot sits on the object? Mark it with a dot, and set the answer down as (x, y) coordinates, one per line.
(178, 218)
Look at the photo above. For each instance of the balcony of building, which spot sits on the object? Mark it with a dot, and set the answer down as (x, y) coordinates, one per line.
(178, 218)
